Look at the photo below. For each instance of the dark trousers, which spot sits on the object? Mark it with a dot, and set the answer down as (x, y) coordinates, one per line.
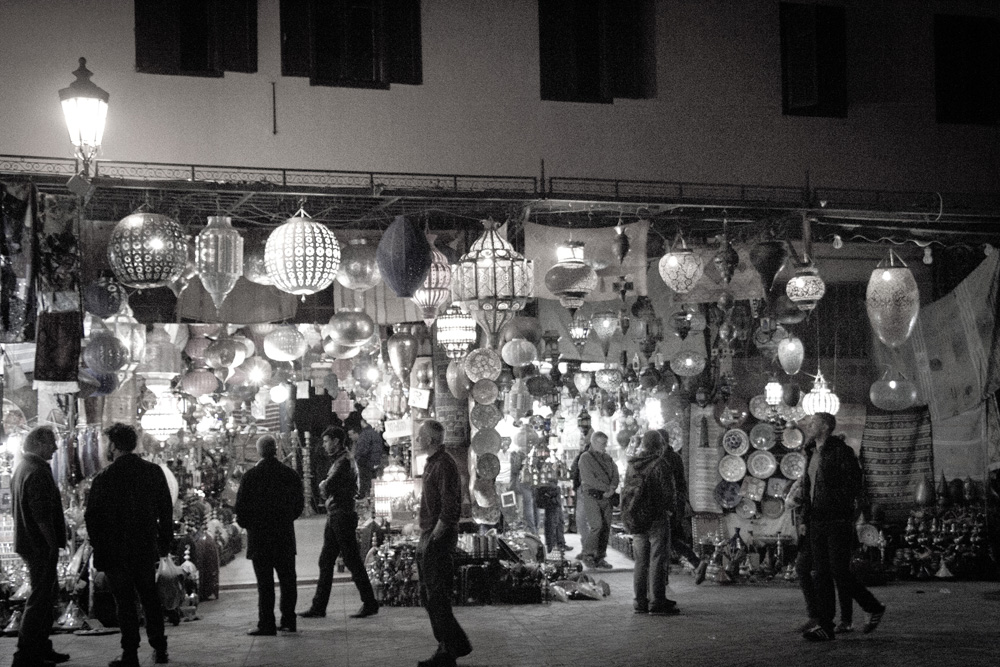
(436, 568)
(340, 538)
(804, 571)
(33, 636)
(831, 543)
(264, 567)
(131, 581)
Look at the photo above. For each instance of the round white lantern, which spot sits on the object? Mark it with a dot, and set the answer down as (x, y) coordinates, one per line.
(821, 398)
(285, 344)
(302, 256)
(681, 269)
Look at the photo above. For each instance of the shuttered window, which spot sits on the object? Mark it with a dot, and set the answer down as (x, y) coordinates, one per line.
(967, 69)
(813, 60)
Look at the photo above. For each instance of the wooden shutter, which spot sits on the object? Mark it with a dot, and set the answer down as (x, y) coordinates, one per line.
(813, 60)
(157, 43)
(295, 33)
(967, 69)
(632, 50)
(573, 51)
(346, 44)
(403, 50)
(238, 36)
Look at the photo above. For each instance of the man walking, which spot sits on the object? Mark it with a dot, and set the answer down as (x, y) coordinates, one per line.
(39, 534)
(131, 525)
(440, 509)
(340, 488)
(832, 486)
(369, 448)
(598, 482)
(268, 502)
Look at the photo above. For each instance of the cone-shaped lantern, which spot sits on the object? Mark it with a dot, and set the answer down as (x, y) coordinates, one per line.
(219, 257)
(456, 332)
(892, 301)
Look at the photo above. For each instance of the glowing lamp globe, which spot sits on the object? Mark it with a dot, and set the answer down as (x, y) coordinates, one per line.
(893, 392)
(280, 392)
(147, 250)
(85, 110)
(519, 352)
(225, 353)
(349, 328)
(302, 256)
(791, 353)
(821, 398)
(571, 279)
(605, 325)
(773, 392)
(285, 344)
(893, 303)
(805, 288)
(608, 379)
(681, 268)
(582, 380)
(688, 363)
(199, 382)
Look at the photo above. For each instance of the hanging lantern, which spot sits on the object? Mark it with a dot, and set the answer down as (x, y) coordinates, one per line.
(767, 257)
(284, 344)
(104, 297)
(492, 280)
(342, 405)
(225, 353)
(787, 311)
(459, 383)
(726, 260)
(518, 402)
(349, 328)
(302, 256)
(335, 350)
(85, 110)
(258, 371)
(199, 382)
(372, 414)
(403, 256)
(583, 421)
(280, 392)
(147, 250)
(893, 302)
(518, 353)
(681, 269)
(791, 353)
(456, 332)
(773, 392)
(219, 257)
(821, 398)
(402, 347)
(358, 268)
(435, 290)
(806, 288)
(254, 268)
(582, 380)
(161, 356)
(571, 279)
(105, 353)
(688, 363)
(608, 379)
(605, 326)
(893, 392)
(579, 329)
(130, 332)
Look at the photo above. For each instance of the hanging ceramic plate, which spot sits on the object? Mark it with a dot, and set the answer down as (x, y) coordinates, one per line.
(736, 442)
(485, 515)
(792, 438)
(485, 491)
(747, 509)
(753, 488)
(868, 535)
(486, 441)
(761, 464)
(772, 508)
(762, 436)
(793, 465)
(485, 392)
(759, 407)
(778, 486)
(488, 466)
(483, 363)
(484, 416)
(732, 468)
(727, 494)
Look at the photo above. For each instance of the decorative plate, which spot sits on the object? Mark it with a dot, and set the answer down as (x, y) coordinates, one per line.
(484, 490)
(778, 486)
(488, 466)
(484, 416)
(483, 363)
(485, 515)
(762, 436)
(868, 535)
(792, 438)
(485, 392)
(761, 464)
(747, 509)
(793, 465)
(486, 441)
(727, 494)
(736, 442)
(759, 407)
(772, 508)
(732, 468)
(753, 488)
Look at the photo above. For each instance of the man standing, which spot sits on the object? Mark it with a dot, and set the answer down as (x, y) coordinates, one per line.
(440, 509)
(598, 482)
(832, 486)
(368, 450)
(682, 509)
(39, 533)
(340, 488)
(269, 501)
(131, 525)
(574, 473)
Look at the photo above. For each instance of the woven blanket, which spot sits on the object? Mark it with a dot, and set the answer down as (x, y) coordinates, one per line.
(897, 453)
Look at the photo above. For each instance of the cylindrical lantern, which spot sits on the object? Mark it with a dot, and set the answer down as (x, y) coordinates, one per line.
(571, 279)
(435, 290)
(285, 344)
(456, 332)
(806, 288)
(773, 392)
(219, 257)
(791, 353)
(821, 398)
(403, 256)
(518, 352)
(893, 392)
(893, 303)
(302, 256)
(358, 268)
(147, 250)
(681, 268)
(579, 329)
(130, 332)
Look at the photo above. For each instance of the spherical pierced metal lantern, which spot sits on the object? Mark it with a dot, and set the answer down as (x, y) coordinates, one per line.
(219, 257)
(302, 256)
(608, 379)
(435, 290)
(456, 332)
(492, 280)
(806, 288)
(285, 344)
(519, 352)
(105, 353)
(147, 250)
(571, 279)
(821, 398)
(893, 303)
(681, 268)
(358, 268)
(688, 363)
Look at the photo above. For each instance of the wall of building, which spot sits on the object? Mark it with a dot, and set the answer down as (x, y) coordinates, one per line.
(717, 116)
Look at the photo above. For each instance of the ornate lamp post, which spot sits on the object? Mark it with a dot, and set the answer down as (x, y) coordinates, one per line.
(85, 107)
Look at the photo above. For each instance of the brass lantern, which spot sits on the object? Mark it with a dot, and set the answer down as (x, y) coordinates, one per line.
(571, 279)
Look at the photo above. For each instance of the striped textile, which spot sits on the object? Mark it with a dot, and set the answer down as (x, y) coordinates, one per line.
(703, 466)
(897, 453)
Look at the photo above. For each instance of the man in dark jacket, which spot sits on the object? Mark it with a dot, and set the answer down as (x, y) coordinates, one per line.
(340, 488)
(649, 470)
(39, 534)
(269, 501)
(131, 525)
(832, 486)
(678, 543)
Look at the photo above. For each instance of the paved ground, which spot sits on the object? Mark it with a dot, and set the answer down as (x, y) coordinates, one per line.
(935, 623)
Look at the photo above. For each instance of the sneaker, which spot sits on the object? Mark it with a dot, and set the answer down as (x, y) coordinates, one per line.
(366, 610)
(665, 609)
(843, 628)
(56, 657)
(641, 607)
(807, 626)
(699, 573)
(604, 565)
(565, 547)
(873, 621)
(818, 634)
(312, 613)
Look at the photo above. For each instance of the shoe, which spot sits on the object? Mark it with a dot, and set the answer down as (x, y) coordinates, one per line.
(818, 634)
(259, 632)
(807, 626)
(55, 657)
(578, 557)
(873, 621)
(664, 609)
(699, 573)
(604, 565)
(566, 548)
(641, 607)
(366, 611)
(160, 656)
(132, 661)
(290, 629)
(589, 563)
(438, 660)
(19, 662)
(312, 613)
(843, 628)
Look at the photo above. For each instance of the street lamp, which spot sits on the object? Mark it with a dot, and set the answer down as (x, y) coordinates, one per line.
(85, 106)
